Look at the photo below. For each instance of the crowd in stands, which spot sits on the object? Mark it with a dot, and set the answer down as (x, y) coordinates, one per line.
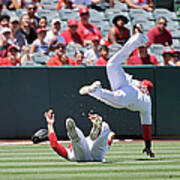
(83, 32)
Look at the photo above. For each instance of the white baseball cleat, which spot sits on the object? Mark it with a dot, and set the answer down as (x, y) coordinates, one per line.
(97, 125)
(90, 88)
(70, 126)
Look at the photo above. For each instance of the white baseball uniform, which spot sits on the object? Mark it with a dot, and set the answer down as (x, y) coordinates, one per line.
(88, 150)
(126, 92)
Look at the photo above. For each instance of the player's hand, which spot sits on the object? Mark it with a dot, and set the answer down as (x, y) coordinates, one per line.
(50, 117)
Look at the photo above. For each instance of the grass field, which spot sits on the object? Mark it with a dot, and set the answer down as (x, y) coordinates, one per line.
(124, 162)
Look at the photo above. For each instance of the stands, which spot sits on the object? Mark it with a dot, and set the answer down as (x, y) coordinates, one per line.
(103, 20)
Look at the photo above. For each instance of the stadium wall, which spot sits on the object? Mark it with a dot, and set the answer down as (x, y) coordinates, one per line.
(26, 93)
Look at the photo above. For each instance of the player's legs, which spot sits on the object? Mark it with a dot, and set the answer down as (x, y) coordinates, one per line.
(146, 121)
(100, 145)
(118, 99)
(80, 148)
(115, 72)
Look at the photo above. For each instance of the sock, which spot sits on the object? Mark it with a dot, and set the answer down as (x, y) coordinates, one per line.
(109, 142)
(147, 135)
(60, 149)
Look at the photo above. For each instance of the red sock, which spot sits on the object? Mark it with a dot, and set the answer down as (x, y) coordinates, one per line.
(60, 149)
(109, 142)
(147, 132)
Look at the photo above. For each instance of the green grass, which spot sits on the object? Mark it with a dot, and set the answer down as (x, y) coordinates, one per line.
(124, 162)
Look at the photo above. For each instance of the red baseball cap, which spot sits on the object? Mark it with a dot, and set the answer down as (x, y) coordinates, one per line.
(93, 38)
(83, 11)
(167, 51)
(149, 84)
(39, 30)
(174, 51)
(73, 22)
(13, 47)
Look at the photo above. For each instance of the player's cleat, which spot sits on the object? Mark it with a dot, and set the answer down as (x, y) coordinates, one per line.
(90, 88)
(148, 152)
(97, 125)
(139, 28)
(71, 128)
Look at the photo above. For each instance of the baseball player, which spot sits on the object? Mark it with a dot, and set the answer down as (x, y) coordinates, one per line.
(91, 148)
(126, 92)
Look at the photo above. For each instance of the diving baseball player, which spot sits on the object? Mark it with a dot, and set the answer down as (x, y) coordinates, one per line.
(91, 148)
(126, 92)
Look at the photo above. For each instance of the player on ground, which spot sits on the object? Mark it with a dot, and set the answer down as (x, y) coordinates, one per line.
(91, 148)
(126, 92)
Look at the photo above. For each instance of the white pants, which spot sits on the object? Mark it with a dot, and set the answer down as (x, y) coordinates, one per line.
(88, 150)
(123, 94)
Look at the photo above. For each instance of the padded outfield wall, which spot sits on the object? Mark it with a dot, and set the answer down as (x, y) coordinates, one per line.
(26, 93)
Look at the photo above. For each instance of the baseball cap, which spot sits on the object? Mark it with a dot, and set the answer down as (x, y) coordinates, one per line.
(4, 30)
(174, 51)
(56, 20)
(83, 11)
(13, 47)
(39, 30)
(167, 51)
(73, 22)
(14, 19)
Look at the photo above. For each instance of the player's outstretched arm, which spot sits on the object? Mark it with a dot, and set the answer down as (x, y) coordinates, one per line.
(60, 149)
(50, 118)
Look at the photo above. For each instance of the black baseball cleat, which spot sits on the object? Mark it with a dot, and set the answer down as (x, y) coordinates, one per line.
(148, 152)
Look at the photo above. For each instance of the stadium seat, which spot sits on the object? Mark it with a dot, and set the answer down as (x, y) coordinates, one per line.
(40, 59)
(8, 12)
(138, 13)
(147, 25)
(113, 48)
(157, 49)
(121, 6)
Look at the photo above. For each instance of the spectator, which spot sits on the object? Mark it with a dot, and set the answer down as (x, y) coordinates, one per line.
(17, 37)
(39, 45)
(1, 7)
(176, 56)
(71, 35)
(4, 20)
(167, 58)
(26, 58)
(79, 57)
(60, 58)
(93, 54)
(53, 35)
(31, 10)
(142, 58)
(140, 4)
(26, 29)
(5, 34)
(14, 4)
(64, 4)
(102, 5)
(119, 34)
(42, 22)
(103, 59)
(160, 34)
(13, 57)
(86, 29)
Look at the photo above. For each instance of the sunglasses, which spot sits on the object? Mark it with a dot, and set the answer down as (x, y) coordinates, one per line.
(85, 14)
(165, 24)
(32, 8)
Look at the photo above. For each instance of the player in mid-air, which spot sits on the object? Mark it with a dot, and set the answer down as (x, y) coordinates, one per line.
(126, 92)
(82, 149)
